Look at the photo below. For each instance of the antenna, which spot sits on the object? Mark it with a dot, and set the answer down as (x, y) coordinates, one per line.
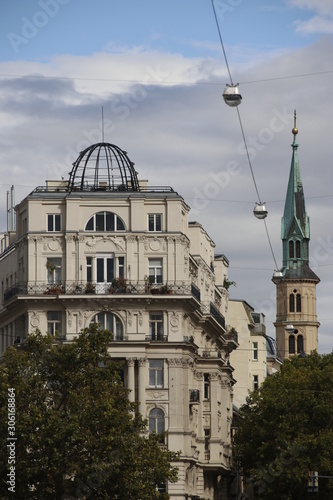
(102, 124)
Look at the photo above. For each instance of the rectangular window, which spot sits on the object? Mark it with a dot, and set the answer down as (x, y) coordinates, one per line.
(155, 222)
(207, 439)
(255, 351)
(206, 386)
(255, 382)
(54, 222)
(104, 268)
(156, 326)
(155, 267)
(54, 322)
(53, 265)
(156, 373)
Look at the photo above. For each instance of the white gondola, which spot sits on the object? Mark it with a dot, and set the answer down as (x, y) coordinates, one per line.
(290, 329)
(278, 275)
(260, 211)
(231, 95)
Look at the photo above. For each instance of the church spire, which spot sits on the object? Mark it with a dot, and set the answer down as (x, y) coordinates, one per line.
(295, 227)
(296, 314)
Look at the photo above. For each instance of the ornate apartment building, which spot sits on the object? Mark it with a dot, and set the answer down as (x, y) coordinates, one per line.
(105, 247)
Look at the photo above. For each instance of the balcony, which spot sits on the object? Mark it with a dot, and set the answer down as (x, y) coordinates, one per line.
(156, 338)
(118, 286)
(209, 308)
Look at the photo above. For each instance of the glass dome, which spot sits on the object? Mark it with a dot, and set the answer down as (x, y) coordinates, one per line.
(103, 167)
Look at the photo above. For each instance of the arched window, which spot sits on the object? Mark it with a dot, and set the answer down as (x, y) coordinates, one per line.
(298, 303)
(291, 303)
(298, 249)
(109, 321)
(300, 346)
(156, 422)
(105, 221)
(291, 249)
(291, 344)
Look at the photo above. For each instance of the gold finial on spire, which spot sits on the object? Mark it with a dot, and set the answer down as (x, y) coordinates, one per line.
(295, 129)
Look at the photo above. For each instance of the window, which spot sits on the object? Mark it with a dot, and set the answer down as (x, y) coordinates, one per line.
(155, 222)
(298, 249)
(54, 322)
(109, 321)
(156, 326)
(255, 382)
(156, 373)
(103, 268)
(291, 344)
(53, 266)
(300, 346)
(156, 422)
(155, 267)
(298, 303)
(207, 439)
(291, 303)
(54, 222)
(291, 249)
(105, 221)
(255, 351)
(206, 386)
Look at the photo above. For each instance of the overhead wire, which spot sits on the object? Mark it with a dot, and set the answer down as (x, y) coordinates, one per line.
(242, 131)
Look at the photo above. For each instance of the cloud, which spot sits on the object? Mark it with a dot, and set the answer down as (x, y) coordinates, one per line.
(321, 22)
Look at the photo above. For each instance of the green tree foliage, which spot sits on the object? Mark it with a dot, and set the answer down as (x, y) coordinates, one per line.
(78, 436)
(286, 429)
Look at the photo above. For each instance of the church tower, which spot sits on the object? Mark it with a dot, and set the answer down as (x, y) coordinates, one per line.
(296, 316)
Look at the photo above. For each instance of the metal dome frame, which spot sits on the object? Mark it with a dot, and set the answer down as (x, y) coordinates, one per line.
(103, 167)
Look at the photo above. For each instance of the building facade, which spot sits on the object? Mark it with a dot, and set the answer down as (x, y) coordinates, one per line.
(296, 317)
(256, 356)
(105, 247)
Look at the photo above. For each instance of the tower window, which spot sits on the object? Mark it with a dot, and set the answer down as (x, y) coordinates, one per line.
(298, 249)
(298, 303)
(291, 303)
(300, 346)
(291, 344)
(255, 382)
(291, 249)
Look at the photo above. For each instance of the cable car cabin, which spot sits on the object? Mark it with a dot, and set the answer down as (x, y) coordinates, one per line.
(231, 95)
(260, 211)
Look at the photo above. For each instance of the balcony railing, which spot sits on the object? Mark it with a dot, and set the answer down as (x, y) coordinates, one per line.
(119, 287)
(157, 338)
(209, 308)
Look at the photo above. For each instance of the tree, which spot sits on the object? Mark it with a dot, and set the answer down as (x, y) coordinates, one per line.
(77, 434)
(286, 430)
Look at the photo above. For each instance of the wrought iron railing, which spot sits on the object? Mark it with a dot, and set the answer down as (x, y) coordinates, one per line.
(209, 308)
(87, 288)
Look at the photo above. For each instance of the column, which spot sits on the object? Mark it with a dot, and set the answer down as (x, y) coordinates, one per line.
(142, 385)
(130, 378)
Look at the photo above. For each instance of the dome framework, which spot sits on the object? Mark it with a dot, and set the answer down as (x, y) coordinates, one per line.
(103, 167)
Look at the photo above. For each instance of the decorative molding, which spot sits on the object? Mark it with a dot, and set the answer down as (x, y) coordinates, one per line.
(35, 319)
(142, 361)
(174, 322)
(130, 361)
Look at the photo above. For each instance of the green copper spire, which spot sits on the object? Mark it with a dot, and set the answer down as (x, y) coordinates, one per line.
(295, 222)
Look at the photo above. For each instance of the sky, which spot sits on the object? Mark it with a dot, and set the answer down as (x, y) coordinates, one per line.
(158, 70)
